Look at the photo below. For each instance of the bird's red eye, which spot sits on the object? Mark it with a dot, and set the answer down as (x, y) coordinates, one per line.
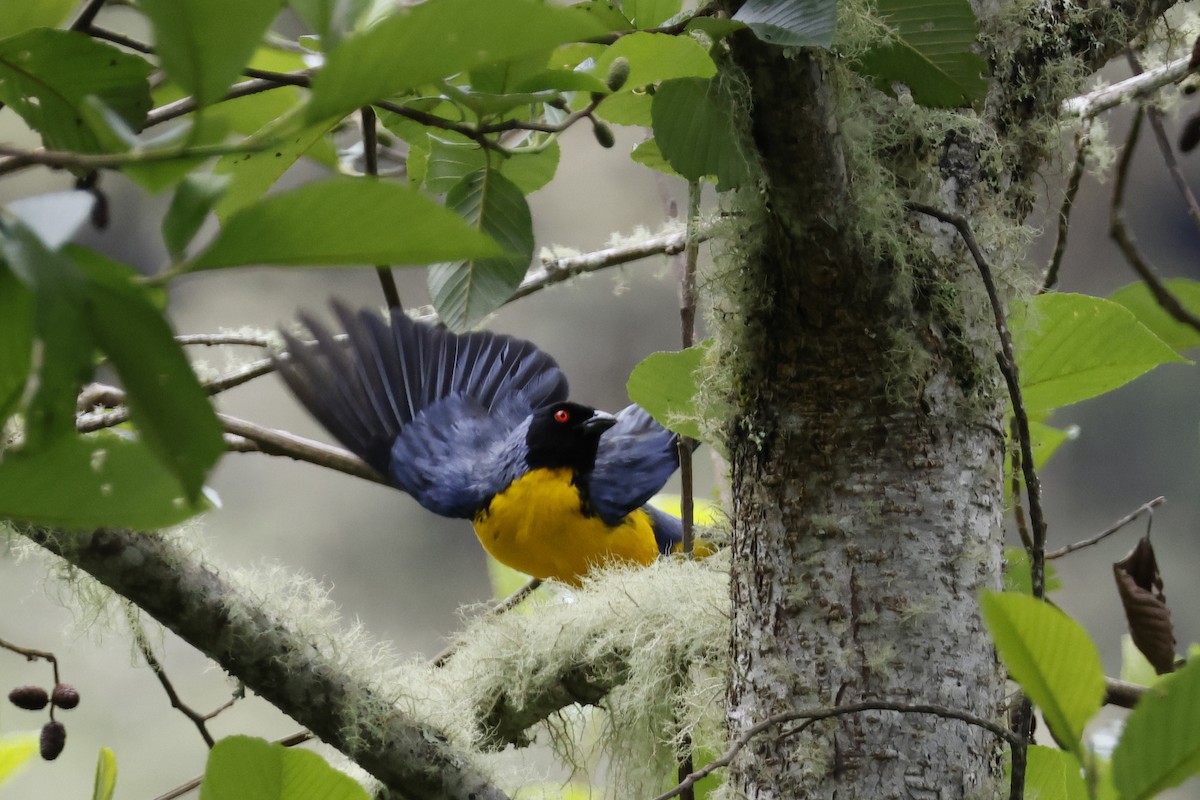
(562, 415)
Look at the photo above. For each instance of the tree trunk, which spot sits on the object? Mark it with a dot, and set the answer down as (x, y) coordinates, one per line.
(865, 440)
(866, 483)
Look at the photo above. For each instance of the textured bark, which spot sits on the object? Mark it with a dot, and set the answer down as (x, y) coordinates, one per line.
(865, 512)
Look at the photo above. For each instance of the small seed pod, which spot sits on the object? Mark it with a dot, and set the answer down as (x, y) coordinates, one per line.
(618, 73)
(603, 134)
(54, 738)
(65, 696)
(30, 698)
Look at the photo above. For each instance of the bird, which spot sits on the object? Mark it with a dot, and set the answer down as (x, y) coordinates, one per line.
(478, 426)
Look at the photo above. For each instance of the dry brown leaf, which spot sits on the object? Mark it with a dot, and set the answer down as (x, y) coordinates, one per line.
(1141, 588)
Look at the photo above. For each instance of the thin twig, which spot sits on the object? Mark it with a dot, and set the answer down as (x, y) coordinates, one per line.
(186, 105)
(118, 38)
(19, 159)
(1104, 98)
(281, 443)
(143, 645)
(687, 318)
(1008, 367)
(503, 607)
(1082, 140)
(1018, 507)
(33, 655)
(84, 21)
(811, 715)
(371, 157)
(1164, 145)
(1109, 531)
(557, 270)
(1120, 234)
(223, 339)
(1033, 487)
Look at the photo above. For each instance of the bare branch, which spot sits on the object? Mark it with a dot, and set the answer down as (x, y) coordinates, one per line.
(281, 443)
(1120, 234)
(503, 607)
(1082, 140)
(143, 645)
(557, 270)
(222, 339)
(1139, 86)
(1122, 694)
(1109, 531)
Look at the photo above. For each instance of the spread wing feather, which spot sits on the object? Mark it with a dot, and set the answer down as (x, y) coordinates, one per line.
(433, 410)
(635, 459)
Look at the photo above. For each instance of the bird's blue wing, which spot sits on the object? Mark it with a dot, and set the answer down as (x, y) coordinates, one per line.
(635, 459)
(428, 408)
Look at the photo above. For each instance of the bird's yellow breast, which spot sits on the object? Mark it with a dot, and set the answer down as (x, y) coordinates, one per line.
(537, 526)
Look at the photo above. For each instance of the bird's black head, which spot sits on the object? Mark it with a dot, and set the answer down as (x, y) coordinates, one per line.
(566, 435)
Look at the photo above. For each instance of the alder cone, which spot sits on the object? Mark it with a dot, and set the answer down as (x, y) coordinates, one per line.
(53, 739)
(65, 696)
(30, 698)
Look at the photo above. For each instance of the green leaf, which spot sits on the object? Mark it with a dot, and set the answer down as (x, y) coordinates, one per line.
(205, 44)
(1053, 660)
(344, 220)
(103, 479)
(561, 80)
(1053, 774)
(653, 58)
(193, 199)
(665, 385)
(252, 174)
(18, 16)
(791, 23)
(1071, 347)
(1135, 667)
(606, 12)
(106, 775)
(650, 13)
(1160, 744)
(1017, 577)
(16, 339)
(169, 407)
(1047, 439)
(695, 132)
(59, 324)
(46, 75)
(647, 154)
(245, 768)
(531, 171)
(930, 52)
(15, 752)
(412, 48)
(449, 162)
(464, 292)
(1140, 301)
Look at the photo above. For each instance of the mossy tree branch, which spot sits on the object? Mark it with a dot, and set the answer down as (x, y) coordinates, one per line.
(190, 597)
